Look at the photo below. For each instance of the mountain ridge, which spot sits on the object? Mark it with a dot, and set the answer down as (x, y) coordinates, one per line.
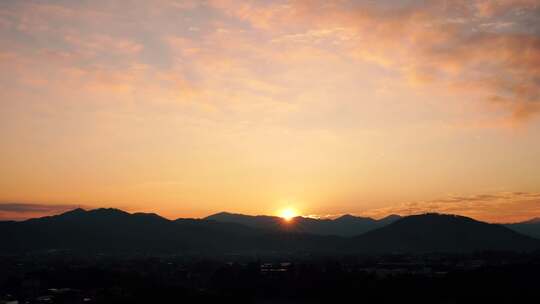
(345, 226)
(114, 230)
(444, 233)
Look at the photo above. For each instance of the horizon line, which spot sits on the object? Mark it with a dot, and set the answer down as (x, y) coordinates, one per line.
(334, 217)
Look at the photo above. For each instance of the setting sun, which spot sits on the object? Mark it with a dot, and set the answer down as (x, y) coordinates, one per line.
(288, 214)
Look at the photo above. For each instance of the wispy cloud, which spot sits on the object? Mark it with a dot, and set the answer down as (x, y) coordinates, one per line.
(492, 51)
(493, 55)
(497, 207)
(21, 211)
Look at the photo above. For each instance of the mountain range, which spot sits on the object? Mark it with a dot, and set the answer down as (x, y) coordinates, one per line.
(346, 225)
(113, 230)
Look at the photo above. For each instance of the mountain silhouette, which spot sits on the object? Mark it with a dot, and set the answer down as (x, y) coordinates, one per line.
(346, 225)
(113, 230)
(265, 222)
(530, 227)
(442, 233)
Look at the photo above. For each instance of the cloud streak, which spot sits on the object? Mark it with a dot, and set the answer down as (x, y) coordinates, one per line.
(501, 207)
(488, 47)
(21, 211)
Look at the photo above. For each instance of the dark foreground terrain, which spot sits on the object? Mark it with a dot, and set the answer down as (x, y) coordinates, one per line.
(63, 277)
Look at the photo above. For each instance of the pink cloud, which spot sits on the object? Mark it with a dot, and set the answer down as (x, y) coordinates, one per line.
(439, 42)
(490, 8)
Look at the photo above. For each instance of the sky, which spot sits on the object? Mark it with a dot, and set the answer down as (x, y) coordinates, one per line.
(187, 108)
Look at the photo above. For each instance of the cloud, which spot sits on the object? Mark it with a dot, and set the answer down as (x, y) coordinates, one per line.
(490, 8)
(489, 48)
(486, 50)
(29, 208)
(498, 207)
(21, 211)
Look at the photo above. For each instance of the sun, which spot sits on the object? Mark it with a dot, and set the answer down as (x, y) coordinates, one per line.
(288, 214)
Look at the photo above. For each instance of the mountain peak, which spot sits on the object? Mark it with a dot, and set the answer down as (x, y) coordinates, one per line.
(346, 217)
(107, 211)
(75, 211)
(434, 232)
(222, 213)
(391, 217)
(153, 216)
(353, 218)
(80, 212)
(439, 217)
(224, 216)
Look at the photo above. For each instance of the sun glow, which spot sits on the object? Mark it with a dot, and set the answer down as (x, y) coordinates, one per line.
(288, 214)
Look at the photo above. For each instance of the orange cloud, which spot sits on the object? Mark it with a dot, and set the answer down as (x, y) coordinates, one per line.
(502, 207)
(22, 211)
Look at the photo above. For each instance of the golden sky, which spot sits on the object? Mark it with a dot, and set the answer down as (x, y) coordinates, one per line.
(187, 108)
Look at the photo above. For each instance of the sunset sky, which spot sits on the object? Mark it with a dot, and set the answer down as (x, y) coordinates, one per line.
(187, 108)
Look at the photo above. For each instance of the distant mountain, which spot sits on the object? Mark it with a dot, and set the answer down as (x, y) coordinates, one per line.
(530, 227)
(113, 230)
(345, 226)
(535, 220)
(441, 233)
(389, 219)
(259, 221)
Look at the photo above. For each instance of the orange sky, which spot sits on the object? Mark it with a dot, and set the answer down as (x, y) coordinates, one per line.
(187, 108)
